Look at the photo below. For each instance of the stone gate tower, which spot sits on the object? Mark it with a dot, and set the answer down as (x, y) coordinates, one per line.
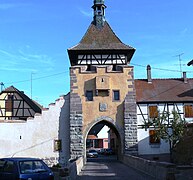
(102, 85)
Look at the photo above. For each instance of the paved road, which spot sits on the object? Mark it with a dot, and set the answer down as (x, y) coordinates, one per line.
(109, 168)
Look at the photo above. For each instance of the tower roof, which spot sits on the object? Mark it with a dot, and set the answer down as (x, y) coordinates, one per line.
(101, 39)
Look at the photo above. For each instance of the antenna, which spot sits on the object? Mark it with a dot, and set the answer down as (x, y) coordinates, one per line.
(31, 82)
(180, 62)
(2, 85)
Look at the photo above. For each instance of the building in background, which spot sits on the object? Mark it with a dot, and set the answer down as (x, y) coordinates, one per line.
(15, 105)
(157, 96)
(98, 138)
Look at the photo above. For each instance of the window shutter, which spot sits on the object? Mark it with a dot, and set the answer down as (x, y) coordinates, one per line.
(153, 111)
(9, 104)
(152, 137)
(188, 111)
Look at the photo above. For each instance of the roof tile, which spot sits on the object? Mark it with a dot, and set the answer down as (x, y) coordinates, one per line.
(100, 39)
(164, 90)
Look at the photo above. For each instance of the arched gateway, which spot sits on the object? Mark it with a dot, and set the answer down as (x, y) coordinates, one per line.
(110, 123)
(102, 86)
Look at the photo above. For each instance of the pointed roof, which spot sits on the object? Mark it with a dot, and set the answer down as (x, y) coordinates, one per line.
(101, 39)
(34, 105)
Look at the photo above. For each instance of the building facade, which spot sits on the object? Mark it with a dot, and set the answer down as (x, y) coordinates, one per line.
(155, 97)
(102, 91)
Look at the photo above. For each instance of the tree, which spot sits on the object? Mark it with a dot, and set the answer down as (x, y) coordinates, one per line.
(167, 126)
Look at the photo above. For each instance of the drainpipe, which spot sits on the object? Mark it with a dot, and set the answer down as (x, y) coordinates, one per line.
(184, 77)
(149, 80)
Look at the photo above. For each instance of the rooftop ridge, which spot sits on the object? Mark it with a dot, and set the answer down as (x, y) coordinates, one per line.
(165, 79)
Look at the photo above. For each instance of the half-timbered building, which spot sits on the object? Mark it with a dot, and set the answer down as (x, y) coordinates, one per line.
(154, 96)
(15, 105)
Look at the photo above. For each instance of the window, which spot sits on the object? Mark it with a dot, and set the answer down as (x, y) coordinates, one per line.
(89, 95)
(89, 143)
(152, 137)
(153, 111)
(57, 145)
(188, 111)
(32, 167)
(9, 167)
(116, 95)
(9, 103)
(2, 162)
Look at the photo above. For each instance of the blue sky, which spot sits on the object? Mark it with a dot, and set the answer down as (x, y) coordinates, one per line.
(35, 36)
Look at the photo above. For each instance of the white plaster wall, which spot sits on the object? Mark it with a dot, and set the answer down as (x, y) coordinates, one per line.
(103, 132)
(144, 147)
(143, 135)
(35, 138)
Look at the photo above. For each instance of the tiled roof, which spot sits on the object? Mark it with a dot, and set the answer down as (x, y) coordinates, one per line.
(101, 39)
(34, 105)
(164, 90)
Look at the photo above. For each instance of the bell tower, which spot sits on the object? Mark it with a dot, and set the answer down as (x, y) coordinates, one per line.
(101, 86)
(99, 13)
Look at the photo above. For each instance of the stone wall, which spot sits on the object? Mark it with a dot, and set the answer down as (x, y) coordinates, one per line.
(130, 118)
(157, 170)
(76, 119)
(75, 168)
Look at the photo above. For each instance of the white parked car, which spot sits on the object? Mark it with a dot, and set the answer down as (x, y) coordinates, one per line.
(92, 153)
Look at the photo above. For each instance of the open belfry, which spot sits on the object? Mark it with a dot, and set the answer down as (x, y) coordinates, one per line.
(102, 86)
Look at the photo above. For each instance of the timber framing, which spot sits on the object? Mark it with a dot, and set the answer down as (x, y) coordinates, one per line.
(15, 105)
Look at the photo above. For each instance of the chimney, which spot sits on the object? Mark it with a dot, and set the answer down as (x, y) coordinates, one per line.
(184, 77)
(149, 80)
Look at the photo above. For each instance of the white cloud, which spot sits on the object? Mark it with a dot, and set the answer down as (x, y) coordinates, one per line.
(85, 13)
(23, 60)
(5, 53)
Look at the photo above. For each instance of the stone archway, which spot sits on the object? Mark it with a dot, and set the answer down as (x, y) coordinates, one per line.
(112, 125)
